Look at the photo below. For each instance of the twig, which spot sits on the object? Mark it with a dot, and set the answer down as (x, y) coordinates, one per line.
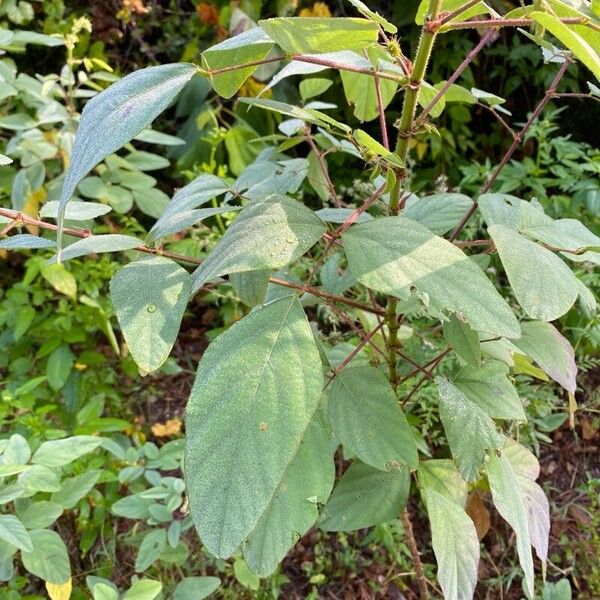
(500, 22)
(323, 167)
(382, 124)
(459, 11)
(416, 557)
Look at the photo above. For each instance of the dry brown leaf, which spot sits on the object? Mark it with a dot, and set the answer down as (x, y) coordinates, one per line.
(478, 512)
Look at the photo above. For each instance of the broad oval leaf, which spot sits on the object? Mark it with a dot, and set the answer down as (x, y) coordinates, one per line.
(365, 496)
(455, 545)
(13, 532)
(268, 234)
(196, 588)
(442, 476)
(256, 390)
(393, 254)
(150, 295)
(319, 35)
(488, 386)
(551, 351)
(471, 434)
(49, 559)
(440, 213)
(293, 509)
(367, 419)
(543, 284)
(463, 340)
(251, 286)
(57, 453)
(97, 244)
(117, 115)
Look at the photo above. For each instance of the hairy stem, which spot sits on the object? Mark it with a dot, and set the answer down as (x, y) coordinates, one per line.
(414, 551)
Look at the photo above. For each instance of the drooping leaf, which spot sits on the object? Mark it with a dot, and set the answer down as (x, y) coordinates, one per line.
(293, 509)
(392, 254)
(543, 284)
(488, 386)
(239, 411)
(463, 340)
(442, 476)
(471, 434)
(118, 114)
(361, 92)
(365, 496)
(455, 545)
(268, 234)
(97, 244)
(248, 47)
(508, 500)
(319, 35)
(49, 559)
(150, 295)
(551, 351)
(251, 286)
(367, 419)
(440, 213)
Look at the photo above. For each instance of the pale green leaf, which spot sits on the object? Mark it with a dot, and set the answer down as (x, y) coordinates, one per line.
(26, 241)
(488, 386)
(75, 211)
(73, 489)
(239, 410)
(365, 496)
(442, 476)
(57, 453)
(151, 546)
(251, 46)
(196, 588)
(118, 114)
(293, 509)
(551, 351)
(150, 295)
(367, 419)
(471, 434)
(365, 11)
(463, 340)
(450, 5)
(455, 545)
(40, 515)
(251, 286)
(13, 532)
(49, 559)
(144, 589)
(268, 234)
(440, 213)
(543, 284)
(393, 254)
(97, 244)
(508, 500)
(319, 35)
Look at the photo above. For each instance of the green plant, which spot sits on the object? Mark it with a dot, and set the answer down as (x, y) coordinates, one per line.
(273, 398)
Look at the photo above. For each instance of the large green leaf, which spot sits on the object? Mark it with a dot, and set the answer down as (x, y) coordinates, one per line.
(440, 213)
(150, 295)
(455, 545)
(13, 532)
(268, 234)
(582, 50)
(551, 351)
(442, 476)
(365, 496)
(367, 419)
(463, 340)
(57, 453)
(318, 35)
(49, 559)
(392, 254)
(256, 390)
(543, 284)
(489, 387)
(251, 46)
(118, 114)
(97, 244)
(293, 509)
(508, 500)
(361, 92)
(470, 432)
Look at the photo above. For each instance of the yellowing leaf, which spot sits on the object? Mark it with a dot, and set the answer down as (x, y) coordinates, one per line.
(318, 9)
(60, 591)
(32, 206)
(169, 428)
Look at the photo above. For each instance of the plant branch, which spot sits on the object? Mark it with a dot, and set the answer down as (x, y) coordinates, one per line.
(416, 557)
(382, 124)
(500, 22)
(463, 65)
(515, 144)
(323, 168)
(459, 11)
